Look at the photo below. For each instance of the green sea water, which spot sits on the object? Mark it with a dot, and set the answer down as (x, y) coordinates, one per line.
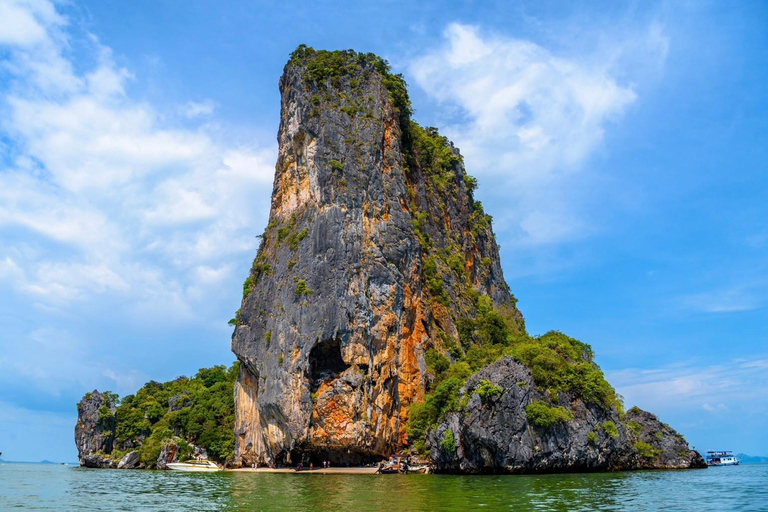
(53, 487)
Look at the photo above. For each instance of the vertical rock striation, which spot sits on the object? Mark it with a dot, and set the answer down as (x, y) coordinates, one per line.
(374, 250)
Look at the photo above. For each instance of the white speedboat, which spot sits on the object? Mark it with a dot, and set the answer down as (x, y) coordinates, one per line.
(194, 465)
(721, 458)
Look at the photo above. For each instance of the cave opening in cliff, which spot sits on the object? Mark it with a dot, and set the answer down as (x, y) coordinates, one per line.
(338, 456)
(325, 362)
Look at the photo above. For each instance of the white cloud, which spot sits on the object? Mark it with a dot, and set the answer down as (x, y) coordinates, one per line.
(738, 384)
(546, 227)
(111, 199)
(529, 118)
(9, 269)
(193, 109)
(21, 22)
(728, 300)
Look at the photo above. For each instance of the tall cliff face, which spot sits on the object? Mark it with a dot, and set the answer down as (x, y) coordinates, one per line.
(376, 317)
(95, 429)
(374, 253)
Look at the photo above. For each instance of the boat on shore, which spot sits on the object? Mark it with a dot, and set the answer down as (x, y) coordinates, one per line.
(400, 464)
(206, 466)
(721, 458)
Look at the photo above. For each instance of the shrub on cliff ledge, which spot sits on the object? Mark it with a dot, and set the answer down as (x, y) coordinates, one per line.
(487, 391)
(611, 429)
(541, 415)
(449, 442)
(647, 451)
(302, 288)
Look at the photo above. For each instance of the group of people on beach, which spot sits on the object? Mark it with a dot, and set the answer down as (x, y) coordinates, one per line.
(300, 466)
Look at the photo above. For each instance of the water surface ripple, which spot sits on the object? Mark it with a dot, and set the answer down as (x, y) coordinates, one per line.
(53, 487)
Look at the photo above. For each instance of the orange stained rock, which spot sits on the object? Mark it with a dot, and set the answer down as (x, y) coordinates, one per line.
(409, 388)
(388, 139)
(334, 416)
(469, 261)
(297, 181)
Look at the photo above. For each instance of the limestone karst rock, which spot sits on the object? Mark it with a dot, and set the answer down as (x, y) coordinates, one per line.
(499, 435)
(377, 286)
(374, 251)
(95, 429)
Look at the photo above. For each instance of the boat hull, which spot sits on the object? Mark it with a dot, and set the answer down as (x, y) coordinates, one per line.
(192, 469)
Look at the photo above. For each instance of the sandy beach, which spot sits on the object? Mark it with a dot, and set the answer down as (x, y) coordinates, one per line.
(327, 471)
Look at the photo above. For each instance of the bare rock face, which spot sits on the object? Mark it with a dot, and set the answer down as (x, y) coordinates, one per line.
(372, 235)
(95, 430)
(659, 446)
(129, 461)
(498, 436)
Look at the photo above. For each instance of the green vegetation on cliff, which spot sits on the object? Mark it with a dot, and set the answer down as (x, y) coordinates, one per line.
(322, 66)
(459, 261)
(544, 416)
(185, 411)
(557, 362)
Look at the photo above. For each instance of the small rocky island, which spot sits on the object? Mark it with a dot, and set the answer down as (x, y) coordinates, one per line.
(376, 319)
(184, 418)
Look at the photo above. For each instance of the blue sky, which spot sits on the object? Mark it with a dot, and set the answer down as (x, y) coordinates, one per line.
(620, 147)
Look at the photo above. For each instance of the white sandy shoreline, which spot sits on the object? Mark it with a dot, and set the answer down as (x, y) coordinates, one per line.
(332, 470)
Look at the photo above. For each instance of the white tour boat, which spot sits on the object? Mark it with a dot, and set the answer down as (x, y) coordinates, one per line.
(194, 465)
(721, 458)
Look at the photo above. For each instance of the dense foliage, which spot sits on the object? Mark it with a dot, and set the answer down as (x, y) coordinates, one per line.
(323, 66)
(199, 411)
(544, 416)
(425, 415)
(558, 363)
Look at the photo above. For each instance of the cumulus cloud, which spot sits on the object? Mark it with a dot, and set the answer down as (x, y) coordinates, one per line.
(528, 119)
(141, 204)
(19, 22)
(107, 207)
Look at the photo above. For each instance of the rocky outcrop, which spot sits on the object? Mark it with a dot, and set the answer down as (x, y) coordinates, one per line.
(170, 452)
(374, 249)
(497, 435)
(187, 417)
(659, 446)
(129, 461)
(95, 436)
(95, 430)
